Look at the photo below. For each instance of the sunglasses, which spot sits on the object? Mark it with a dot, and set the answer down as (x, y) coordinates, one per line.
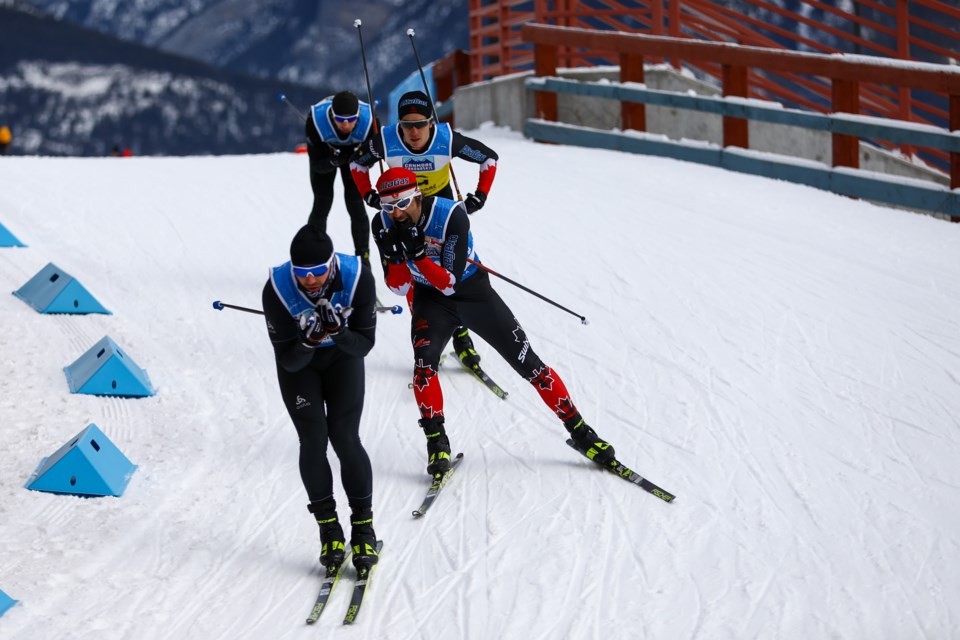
(352, 118)
(415, 124)
(402, 204)
(316, 271)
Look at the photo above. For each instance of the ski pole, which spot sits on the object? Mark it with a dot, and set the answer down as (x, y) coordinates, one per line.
(282, 97)
(363, 56)
(479, 265)
(583, 319)
(423, 78)
(220, 306)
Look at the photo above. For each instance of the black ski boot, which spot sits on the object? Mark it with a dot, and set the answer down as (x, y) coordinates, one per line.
(587, 441)
(332, 549)
(438, 445)
(463, 346)
(363, 539)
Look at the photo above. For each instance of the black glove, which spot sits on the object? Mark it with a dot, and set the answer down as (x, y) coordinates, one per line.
(311, 329)
(389, 245)
(331, 319)
(475, 201)
(372, 198)
(411, 239)
(340, 155)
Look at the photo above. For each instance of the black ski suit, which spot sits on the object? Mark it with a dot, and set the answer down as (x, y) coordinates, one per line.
(323, 390)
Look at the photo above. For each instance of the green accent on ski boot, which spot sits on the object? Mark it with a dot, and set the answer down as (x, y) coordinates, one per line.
(587, 441)
(438, 445)
(463, 346)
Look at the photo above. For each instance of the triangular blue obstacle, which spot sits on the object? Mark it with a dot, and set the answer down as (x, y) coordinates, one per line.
(7, 239)
(88, 465)
(105, 370)
(53, 290)
(6, 602)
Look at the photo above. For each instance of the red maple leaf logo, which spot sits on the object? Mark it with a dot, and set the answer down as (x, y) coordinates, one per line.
(422, 375)
(543, 378)
(565, 409)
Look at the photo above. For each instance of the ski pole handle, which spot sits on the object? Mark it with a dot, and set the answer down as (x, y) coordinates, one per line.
(219, 306)
(394, 309)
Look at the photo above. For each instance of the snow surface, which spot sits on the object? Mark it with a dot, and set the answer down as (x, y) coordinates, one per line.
(785, 360)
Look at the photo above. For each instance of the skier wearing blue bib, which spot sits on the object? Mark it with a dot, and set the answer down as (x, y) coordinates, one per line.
(320, 314)
(426, 244)
(335, 128)
(427, 148)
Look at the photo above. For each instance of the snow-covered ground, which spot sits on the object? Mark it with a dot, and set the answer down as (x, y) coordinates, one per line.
(785, 360)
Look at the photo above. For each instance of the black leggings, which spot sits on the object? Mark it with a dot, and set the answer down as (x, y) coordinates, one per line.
(326, 405)
(479, 308)
(322, 185)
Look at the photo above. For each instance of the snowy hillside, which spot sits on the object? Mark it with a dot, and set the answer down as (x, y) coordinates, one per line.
(785, 360)
(312, 43)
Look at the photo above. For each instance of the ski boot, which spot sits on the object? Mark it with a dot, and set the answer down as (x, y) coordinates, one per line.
(332, 549)
(587, 441)
(438, 445)
(363, 539)
(463, 346)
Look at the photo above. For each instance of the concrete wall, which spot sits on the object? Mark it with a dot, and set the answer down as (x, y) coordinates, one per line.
(505, 102)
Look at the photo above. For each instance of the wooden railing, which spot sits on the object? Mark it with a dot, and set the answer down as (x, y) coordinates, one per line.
(920, 30)
(845, 124)
(844, 76)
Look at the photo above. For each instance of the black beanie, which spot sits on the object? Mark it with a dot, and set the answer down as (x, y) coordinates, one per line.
(345, 103)
(414, 102)
(310, 247)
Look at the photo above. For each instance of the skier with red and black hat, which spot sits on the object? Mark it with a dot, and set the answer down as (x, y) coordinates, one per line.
(335, 127)
(320, 314)
(425, 243)
(427, 148)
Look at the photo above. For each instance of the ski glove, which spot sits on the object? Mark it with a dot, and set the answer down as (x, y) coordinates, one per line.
(340, 155)
(475, 201)
(372, 198)
(311, 329)
(330, 318)
(389, 245)
(411, 239)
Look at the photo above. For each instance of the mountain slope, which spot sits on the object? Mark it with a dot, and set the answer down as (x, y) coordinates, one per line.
(312, 43)
(72, 91)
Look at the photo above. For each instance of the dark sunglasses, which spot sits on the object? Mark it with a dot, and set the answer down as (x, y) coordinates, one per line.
(316, 270)
(414, 124)
(352, 118)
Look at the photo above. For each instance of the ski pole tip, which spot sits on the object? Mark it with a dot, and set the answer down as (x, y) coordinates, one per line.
(218, 305)
(584, 321)
(411, 32)
(397, 309)
(281, 97)
(357, 23)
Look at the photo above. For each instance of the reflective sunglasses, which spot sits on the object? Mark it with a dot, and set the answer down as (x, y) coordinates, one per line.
(403, 204)
(414, 124)
(316, 271)
(352, 118)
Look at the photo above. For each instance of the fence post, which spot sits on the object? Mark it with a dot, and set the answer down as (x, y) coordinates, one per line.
(955, 157)
(633, 115)
(846, 99)
(735, 130)
(545, 66)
